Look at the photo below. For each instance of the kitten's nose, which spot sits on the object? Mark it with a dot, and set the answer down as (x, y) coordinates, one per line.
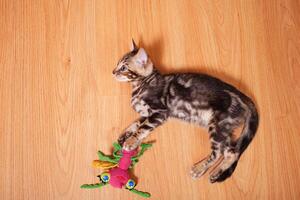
(114, 71)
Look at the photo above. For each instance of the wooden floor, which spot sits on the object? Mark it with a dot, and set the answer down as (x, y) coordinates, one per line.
(60, 104)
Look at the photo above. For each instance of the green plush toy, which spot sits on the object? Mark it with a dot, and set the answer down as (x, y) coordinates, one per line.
(116, 169)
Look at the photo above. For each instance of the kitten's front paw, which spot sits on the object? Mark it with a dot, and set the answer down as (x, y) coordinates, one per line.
(131, 144)
(124, 136)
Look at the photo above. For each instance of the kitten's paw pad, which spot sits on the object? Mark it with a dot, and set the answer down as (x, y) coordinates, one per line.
(131, 144)
(198, 170)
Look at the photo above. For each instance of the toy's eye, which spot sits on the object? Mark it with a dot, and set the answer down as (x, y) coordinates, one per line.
(130, 184)
(123, 68)
(105, 177)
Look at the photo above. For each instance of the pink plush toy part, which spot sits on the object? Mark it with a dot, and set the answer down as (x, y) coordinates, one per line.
(119, 176)
(117, 169)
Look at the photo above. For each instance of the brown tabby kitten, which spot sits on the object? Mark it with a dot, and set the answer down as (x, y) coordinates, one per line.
(195, 98)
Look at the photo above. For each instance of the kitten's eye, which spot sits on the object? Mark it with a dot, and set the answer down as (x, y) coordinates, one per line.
(123, 68)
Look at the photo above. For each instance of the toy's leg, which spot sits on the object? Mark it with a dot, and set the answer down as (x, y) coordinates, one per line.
(219, 137)
(130, 130)
(144, 129)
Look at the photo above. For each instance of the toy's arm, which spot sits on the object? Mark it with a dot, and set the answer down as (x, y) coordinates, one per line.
(144, 147)
(135, 159)
(92, 186)
(103, 157)
(117, 148)
(143, 194)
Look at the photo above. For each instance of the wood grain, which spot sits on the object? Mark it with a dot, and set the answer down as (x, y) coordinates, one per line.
(59, 103)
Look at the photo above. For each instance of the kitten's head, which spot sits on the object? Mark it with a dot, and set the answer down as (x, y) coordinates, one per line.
(134, 65)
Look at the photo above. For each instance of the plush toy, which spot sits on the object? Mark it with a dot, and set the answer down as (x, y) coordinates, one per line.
(116, 169)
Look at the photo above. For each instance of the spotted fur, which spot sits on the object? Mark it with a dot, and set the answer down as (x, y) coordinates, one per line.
(194, 98)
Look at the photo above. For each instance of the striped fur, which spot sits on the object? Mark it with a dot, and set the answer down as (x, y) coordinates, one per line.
(194, 98)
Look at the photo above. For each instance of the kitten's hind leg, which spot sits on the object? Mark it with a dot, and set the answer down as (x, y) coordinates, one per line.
(216, 145)
(226, 167)
(228, 164)
(202, 166)
(220, 136)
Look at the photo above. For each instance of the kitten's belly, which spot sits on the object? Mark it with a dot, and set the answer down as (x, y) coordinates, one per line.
(201, 117)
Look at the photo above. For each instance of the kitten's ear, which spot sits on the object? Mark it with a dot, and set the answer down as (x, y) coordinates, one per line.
(141, 56)
(133, 46)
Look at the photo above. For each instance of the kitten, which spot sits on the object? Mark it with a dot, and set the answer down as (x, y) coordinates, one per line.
(195, 98)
